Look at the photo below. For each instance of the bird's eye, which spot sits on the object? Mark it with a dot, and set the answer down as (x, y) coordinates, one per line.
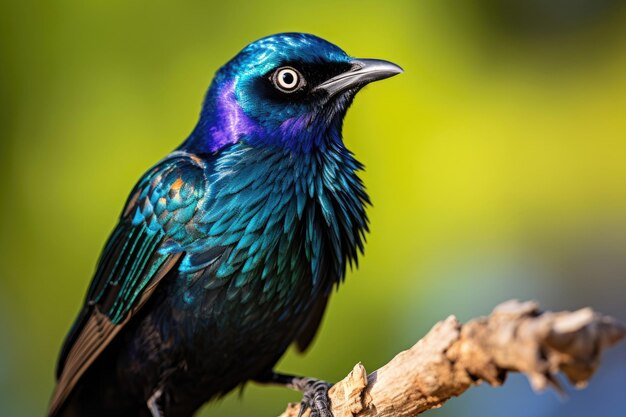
(287, 79)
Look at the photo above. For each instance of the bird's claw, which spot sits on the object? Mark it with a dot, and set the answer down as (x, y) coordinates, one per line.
(154, 404)
(315, 396)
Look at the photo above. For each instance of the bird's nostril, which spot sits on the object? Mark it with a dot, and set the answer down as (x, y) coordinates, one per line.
(357, 66)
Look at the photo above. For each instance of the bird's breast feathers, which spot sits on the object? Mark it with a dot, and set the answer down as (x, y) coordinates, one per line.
(270, 215)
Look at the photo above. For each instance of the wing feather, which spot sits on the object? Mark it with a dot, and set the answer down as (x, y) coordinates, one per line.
(132, 264)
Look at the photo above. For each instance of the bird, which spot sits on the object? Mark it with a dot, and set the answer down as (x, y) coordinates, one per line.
(227, 250)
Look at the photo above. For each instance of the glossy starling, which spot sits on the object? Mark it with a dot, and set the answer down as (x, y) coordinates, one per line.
(227, 250)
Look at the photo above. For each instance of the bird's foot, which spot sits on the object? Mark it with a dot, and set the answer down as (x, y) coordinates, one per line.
(315, 391)
(315, 396)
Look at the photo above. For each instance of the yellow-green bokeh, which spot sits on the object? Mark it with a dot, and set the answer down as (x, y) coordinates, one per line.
(496, 162)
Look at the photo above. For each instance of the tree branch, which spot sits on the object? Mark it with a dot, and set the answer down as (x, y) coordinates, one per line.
(452, 357)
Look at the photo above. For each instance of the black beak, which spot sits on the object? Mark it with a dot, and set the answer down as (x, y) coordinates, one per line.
(363, 71)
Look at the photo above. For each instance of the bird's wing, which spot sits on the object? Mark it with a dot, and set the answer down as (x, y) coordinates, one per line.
(158, 217)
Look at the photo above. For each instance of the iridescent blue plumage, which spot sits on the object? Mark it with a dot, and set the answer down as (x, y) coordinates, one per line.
(227, 250)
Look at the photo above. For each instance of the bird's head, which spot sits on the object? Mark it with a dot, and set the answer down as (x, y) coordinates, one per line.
(289, 90)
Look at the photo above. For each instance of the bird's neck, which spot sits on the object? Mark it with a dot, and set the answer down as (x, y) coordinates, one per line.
(222, 122)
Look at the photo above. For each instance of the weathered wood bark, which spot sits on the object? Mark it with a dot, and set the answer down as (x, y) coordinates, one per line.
(452, 357)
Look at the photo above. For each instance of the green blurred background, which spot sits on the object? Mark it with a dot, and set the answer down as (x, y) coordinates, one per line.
(496, 164)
